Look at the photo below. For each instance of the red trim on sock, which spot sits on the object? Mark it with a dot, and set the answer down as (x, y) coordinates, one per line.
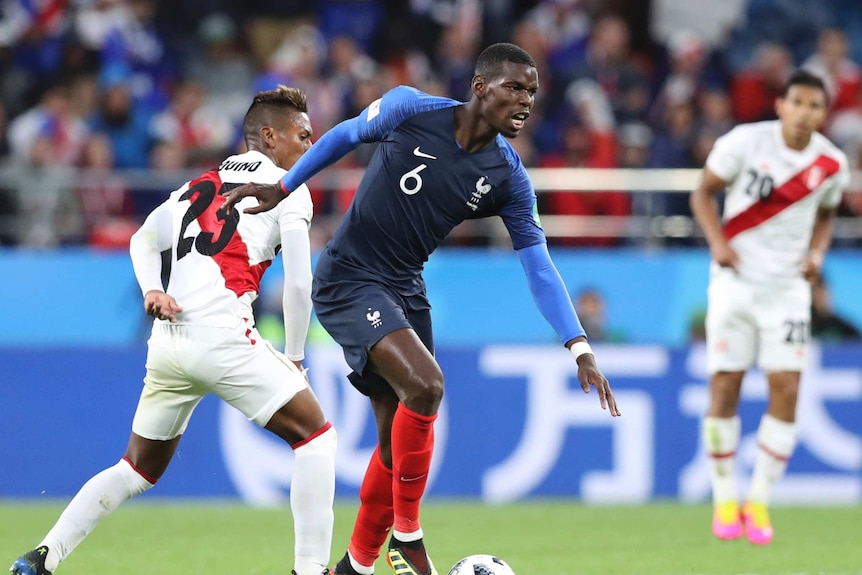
(722, 455)
(147, 477)
(321, 431)
(772, 454)
(375, 515)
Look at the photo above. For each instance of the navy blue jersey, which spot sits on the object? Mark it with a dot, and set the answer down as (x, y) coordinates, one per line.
(419, 185)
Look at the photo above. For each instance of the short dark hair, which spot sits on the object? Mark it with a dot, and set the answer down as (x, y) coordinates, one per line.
(804, 78)
(267, 104)
(489, 61)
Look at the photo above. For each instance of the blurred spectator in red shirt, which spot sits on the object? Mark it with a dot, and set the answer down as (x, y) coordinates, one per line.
(842, 75)
(588, 141)
(104, 198)
(754, 89)
(202, 129)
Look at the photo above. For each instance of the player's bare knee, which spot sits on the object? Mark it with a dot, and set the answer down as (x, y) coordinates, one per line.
(295, 425)
(423, 394)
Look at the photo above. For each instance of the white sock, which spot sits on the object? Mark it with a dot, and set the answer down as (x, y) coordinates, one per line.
(408, 537)
(312, 491)
(359, 567)
(776, 441)
(720, 441)
(97, 499)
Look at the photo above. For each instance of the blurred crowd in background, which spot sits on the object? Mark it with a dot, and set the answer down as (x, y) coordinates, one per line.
(109, 85)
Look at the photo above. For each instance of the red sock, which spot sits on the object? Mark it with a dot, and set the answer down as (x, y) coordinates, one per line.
(375, 512)
(412, 446)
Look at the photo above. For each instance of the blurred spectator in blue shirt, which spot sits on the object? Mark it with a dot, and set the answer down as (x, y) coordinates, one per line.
(609, 62)
(123, 122)
(133, 41)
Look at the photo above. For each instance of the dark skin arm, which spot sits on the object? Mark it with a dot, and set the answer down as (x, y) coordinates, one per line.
(590, 375)
(821, 237)
(705, 210)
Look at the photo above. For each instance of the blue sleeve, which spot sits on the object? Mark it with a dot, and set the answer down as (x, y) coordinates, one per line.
(521, 213)
(331, 147)
(373, 124)
(549, 292)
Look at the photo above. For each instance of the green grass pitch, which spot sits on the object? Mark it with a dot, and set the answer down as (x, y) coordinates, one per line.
(536, 538)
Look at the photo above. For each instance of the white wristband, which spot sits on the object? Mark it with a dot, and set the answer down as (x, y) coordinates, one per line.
(579, 348)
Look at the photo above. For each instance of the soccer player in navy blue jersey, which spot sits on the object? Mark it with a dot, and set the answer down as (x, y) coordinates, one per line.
(439, 162)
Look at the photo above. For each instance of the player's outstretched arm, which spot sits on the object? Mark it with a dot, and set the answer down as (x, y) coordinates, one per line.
(268, 196)
(590, 375)
(552, 298)
(331, 147)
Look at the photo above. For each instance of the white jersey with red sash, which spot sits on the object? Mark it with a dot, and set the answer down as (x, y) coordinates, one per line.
(217, 260)
(773, 196)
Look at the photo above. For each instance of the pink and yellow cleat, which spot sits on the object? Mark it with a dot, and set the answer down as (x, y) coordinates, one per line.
(726, 523)
(758, 527)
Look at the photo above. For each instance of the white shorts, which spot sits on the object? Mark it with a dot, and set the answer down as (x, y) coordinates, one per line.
(185, 363)
(748, 323)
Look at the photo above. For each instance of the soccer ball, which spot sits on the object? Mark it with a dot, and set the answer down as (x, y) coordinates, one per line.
(481, 565)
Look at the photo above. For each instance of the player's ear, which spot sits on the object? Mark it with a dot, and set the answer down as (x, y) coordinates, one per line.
(267, 134)
(479, 86)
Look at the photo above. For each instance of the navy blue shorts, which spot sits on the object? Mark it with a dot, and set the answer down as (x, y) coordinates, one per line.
(357, 314)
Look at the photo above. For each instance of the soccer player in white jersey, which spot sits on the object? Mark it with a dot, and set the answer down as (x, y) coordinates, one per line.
(204, 340)
(784, 181)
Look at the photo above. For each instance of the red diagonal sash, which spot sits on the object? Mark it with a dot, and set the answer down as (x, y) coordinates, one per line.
(233, 259)
(782, 197)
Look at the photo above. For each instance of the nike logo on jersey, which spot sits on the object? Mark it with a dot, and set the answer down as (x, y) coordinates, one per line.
(421, 154)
